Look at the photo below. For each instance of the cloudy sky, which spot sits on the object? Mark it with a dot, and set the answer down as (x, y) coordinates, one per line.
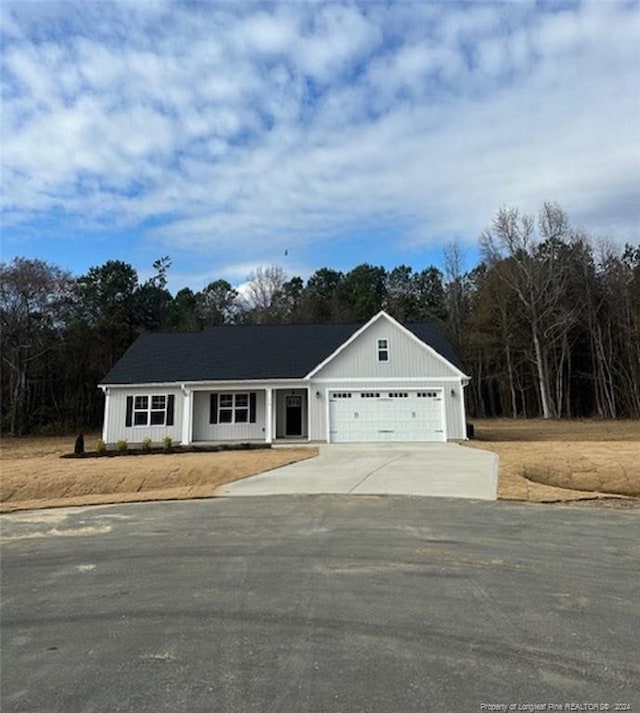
(228, 134)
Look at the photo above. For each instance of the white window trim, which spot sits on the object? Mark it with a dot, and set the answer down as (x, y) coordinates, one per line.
(380, 349)
(149, 410)
(234, 408)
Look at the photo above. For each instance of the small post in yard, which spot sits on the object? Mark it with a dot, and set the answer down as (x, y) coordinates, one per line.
(78, 449)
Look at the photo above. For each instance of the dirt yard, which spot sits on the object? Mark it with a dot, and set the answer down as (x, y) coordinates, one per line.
(34, 476)
(540, 461)
(547, 461)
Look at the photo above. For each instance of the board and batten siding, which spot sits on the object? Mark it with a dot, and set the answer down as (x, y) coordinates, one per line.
(205, 431)
(116, 414)
(408, 358)
(453, 404)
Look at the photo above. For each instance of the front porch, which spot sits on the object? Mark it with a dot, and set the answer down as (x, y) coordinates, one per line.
(227, 414)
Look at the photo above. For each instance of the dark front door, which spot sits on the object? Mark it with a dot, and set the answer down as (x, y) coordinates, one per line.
(293, 416)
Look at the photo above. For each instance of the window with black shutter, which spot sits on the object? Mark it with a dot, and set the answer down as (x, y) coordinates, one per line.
(231, 408)
(150, 410)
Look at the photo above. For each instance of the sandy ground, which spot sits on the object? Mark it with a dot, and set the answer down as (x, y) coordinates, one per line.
(547, 461)
(540, 461)
(34, 476)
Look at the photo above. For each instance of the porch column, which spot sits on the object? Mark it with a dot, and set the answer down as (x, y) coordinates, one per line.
(187, 410)
(105, 424)
(268, 415)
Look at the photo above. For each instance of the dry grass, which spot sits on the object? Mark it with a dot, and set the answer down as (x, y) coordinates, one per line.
(34, 475)
(43, 446)
(545, 461)
(540, 461)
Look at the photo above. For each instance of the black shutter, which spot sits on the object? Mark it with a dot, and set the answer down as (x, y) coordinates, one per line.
(129, 419)
(213, 408)
(170, 401)
(252, 407)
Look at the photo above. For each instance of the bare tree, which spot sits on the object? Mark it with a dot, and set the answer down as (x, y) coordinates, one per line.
(534, 267)
(33, 298)
(615, 331)
(261, 301)
(456, 294)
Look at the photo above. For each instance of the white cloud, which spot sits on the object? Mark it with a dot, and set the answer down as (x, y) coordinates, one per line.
(263, 33)
(257, 129)
(338, 36)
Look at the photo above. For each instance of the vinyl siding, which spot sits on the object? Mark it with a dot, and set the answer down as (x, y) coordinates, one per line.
(411, 366)
(205, 431)
(453, 405)
(317, 414)
(117, 430)
(407, 357)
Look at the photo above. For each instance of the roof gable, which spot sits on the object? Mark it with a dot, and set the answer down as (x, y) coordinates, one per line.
(416, 350)
(344, 345)
(241, 352)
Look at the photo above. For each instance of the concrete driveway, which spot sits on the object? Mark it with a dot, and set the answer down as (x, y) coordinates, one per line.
(431, 469)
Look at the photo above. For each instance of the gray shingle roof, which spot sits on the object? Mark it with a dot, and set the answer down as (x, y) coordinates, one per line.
(244, 352)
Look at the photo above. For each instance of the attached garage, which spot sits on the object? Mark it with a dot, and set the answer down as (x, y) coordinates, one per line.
(407, 415)
(344, 383)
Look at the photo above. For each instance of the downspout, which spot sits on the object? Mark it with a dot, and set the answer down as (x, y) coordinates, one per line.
(463, 415)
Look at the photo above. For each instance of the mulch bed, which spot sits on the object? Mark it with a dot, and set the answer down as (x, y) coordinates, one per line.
(140, 451)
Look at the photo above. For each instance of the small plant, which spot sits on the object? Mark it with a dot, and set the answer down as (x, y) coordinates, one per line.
(102, 446)
(167, 443)
(78, 449)
(146, 444)
(122, 446)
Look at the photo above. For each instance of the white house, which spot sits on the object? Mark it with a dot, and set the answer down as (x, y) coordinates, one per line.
(381, 381)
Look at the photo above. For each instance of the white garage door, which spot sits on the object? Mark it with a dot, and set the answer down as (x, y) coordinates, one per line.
(362, 416)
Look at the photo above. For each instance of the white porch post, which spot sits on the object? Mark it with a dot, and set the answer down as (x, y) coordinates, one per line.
(268, 415)
(463, 415)
(187, 411)
(105, 425)
(327, 415)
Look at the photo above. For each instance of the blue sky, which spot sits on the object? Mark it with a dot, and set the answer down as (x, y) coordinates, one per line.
(226, 134)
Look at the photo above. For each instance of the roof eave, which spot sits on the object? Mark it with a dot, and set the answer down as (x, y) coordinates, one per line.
(190, 383)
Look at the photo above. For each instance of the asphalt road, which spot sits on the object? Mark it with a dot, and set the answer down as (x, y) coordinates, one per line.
(327, 604)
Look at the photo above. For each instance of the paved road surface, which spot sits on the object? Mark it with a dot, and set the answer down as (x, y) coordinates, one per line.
(320, 604)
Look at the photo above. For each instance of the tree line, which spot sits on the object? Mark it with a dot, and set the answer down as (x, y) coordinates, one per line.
(547, 324)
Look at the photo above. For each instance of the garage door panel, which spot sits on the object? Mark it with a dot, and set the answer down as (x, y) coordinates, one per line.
(386, 416)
